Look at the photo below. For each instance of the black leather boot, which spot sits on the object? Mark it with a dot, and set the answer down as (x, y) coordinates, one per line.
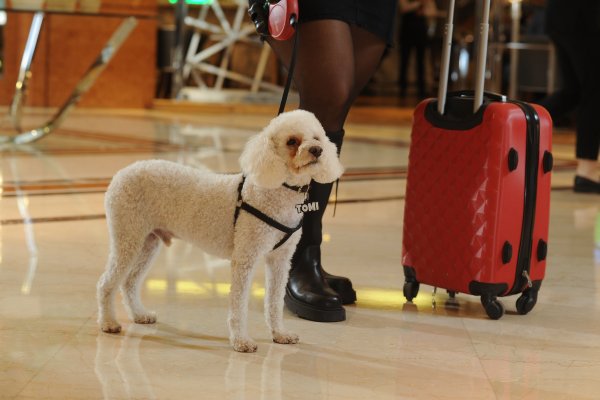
(312, 234)
(307, 293)
(311, 292)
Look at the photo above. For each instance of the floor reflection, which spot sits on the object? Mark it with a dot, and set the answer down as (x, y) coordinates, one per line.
(237, 382)
(118, 365)
(122, 374)
(30, 241)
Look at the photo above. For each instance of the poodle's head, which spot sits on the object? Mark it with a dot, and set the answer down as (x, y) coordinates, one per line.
(292, 149)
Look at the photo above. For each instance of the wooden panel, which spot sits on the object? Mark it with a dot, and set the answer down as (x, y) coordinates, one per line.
(138, 8)
(15, 33)
(68, 45)
(75, 42)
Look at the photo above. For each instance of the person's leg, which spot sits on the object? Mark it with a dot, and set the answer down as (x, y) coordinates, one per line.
(420, 54)
(323, 76)
(405, 47)
(324, 73)
(368, 52)
(588, 131)
(567, 98)
(329, 74)
(348, 67)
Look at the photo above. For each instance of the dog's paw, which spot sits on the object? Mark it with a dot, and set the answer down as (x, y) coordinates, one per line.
(110, 327)
(244, 345)
(148, 318)
(285, 338)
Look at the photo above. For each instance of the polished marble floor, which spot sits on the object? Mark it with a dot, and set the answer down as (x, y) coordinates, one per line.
(53, 246)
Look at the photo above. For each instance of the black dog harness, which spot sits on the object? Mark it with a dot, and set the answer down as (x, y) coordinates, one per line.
(242, 205)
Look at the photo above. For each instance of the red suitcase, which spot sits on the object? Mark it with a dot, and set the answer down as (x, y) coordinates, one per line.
(478, 192)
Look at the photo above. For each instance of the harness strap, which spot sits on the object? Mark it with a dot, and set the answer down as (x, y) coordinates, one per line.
(270, 221)
(242, 205)
(239, 201)
(299, 189)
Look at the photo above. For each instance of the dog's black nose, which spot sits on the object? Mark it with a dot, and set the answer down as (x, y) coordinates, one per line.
(315, 151)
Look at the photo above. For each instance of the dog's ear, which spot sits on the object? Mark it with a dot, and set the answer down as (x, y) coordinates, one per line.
(261, 164)
(331, 167)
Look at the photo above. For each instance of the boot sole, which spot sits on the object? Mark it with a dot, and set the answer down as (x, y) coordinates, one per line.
(587, 190)
(311, 313)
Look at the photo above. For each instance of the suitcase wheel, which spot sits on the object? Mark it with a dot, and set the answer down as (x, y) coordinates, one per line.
(526, 301)
(493, 308)
(411, 289)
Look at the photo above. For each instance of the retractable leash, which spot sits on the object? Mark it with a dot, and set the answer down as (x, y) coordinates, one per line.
(293, 21)
(282, 17)
(292, 17)
(277, 19)
(288, 83)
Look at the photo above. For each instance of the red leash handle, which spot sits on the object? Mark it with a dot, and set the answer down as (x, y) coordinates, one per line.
(283, 17)
(277, 19)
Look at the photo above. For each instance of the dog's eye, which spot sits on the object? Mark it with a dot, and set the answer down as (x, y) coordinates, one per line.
(317, 138)
(292, 142)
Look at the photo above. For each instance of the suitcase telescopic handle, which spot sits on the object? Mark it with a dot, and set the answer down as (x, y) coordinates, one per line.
(445, 64)
(481, 56)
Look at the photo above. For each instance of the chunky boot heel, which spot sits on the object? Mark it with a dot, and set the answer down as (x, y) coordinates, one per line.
(313, 313)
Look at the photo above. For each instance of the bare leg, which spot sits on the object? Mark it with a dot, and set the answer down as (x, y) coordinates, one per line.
(587, 169)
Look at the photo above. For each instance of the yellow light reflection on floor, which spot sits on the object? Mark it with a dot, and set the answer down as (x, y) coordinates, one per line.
(372, 298)
(206, 289)
(379, 298)
(375, 298)
(156, 285)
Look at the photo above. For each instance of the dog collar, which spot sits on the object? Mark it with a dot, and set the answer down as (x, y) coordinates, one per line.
(299, 189)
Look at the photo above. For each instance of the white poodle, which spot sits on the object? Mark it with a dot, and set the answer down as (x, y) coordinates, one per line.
(241, 217)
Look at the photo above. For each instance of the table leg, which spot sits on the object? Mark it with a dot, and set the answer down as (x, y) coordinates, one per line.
(16, 107)
(84, 84)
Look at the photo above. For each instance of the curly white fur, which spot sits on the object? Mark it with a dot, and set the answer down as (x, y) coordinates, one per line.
(153, 201)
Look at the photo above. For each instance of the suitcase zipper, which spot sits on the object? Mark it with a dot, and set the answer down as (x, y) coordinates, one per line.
(531, 173)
